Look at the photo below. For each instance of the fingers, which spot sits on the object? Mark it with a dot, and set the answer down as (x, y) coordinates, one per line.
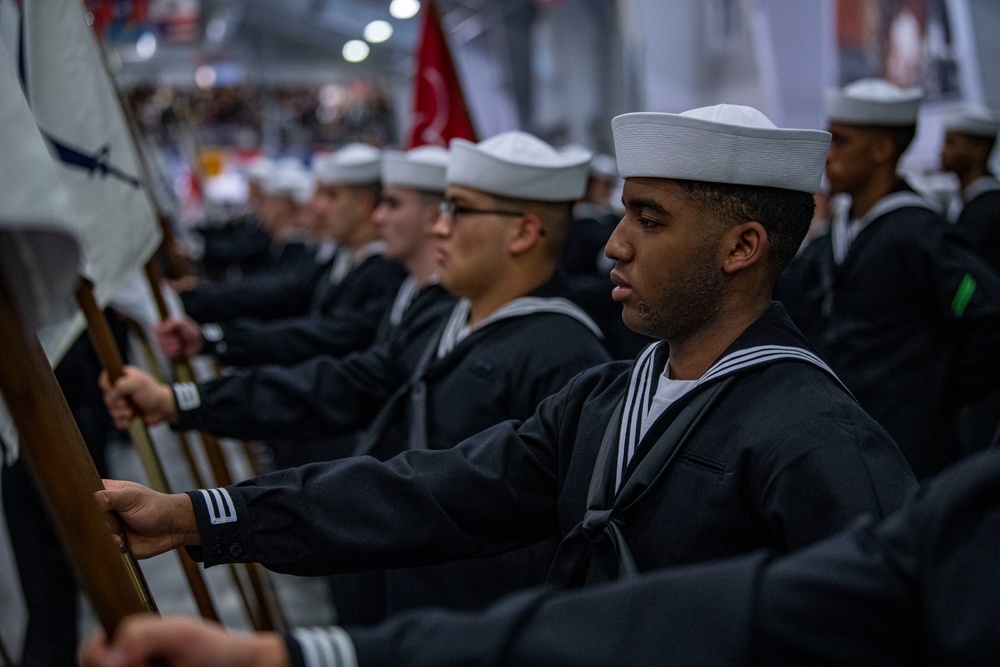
(94, 651)
(119, 407)
(118, 495)
(170, 338)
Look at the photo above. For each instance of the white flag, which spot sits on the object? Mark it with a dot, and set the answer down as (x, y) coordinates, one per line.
(40, 253)
(76, 107)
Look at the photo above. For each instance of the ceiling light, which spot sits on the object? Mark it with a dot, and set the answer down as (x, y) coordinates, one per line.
(204, 76)
(378, 31)
(215, 30)
(355, 51)
(145, 46)
(404, 9)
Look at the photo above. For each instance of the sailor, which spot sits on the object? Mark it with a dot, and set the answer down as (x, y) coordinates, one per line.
(905, 313)
(728, 435)
(970, 135)
(511, 341)
(330, 310)
(919, 587)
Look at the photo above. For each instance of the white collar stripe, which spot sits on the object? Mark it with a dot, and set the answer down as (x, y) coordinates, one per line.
(404, 297)
(640, 381)
(759, 354)
(844, 231)
(526, 305)
(640, 392)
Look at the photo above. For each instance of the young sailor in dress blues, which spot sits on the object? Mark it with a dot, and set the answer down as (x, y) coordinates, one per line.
(769, 450)
(899, 306)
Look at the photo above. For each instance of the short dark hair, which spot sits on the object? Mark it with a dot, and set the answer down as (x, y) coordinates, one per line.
(784, 214)
(556, 219)
(901, 136)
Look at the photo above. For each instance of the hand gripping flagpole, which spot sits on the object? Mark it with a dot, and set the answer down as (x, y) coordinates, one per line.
(263, 619)
(111, 361)
(65, 475)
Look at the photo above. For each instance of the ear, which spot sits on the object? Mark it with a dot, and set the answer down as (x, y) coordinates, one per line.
(526, 233)
(883, 150)
(745, 246)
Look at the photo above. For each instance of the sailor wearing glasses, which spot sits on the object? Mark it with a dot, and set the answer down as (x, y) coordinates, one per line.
(512, 339)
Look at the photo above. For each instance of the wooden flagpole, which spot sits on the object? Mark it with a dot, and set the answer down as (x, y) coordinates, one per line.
(58, 461)
(264, 619)
(153, 363)
(111, 361)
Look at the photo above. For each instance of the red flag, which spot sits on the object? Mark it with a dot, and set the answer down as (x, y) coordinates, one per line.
(439, 111)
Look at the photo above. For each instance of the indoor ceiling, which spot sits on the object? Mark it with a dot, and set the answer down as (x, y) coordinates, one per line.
(304, 39)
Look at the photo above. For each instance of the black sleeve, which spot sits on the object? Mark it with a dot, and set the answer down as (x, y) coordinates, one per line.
(321, 397)
(492, 493)
(919, 588)
(694, 616)
(264, 296)
(293, 339)
(346, 322)
(966, 293)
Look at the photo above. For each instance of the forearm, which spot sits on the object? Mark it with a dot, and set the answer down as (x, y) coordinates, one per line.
(429, 506)
(323, 397)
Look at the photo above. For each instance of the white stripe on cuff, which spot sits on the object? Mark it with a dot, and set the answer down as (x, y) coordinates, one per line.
(326, 647)
(188, 396)
(211, 332)
(220, 506)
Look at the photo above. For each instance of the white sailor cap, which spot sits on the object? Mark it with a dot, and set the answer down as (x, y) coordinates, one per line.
(286, 178)
(516, 164)
(353, 164)
(977, 121)
(259, 168)
(873, 102)
(306, 189)
(421, 168)
(725, 143)
(604, 166)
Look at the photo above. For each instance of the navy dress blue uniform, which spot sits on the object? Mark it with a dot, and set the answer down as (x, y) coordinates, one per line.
(259, 296)
(342, 319)
(917, 588)
(337, 316)
(500, 371)
(751, 474)
(240, 244)
(291, 401)
(910, 321)
(979, 219)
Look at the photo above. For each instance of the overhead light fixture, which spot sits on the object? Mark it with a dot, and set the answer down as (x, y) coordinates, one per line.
(404, 9)
(377, 32)
(145, 46)
(205, 76)
(355, 51)
(215, 30)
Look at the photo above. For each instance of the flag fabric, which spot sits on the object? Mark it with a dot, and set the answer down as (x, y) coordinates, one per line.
(76, 108)
(40, 245)
(439, 110)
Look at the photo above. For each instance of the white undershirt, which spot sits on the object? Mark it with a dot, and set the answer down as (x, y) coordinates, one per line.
(667, 391)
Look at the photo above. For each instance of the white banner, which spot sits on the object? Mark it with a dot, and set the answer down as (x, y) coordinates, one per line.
(40, 254)
(76, 107)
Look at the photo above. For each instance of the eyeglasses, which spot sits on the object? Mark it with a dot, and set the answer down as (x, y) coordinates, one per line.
(453, 210)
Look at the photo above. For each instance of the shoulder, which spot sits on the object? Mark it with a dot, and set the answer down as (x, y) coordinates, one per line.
(791, 397)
